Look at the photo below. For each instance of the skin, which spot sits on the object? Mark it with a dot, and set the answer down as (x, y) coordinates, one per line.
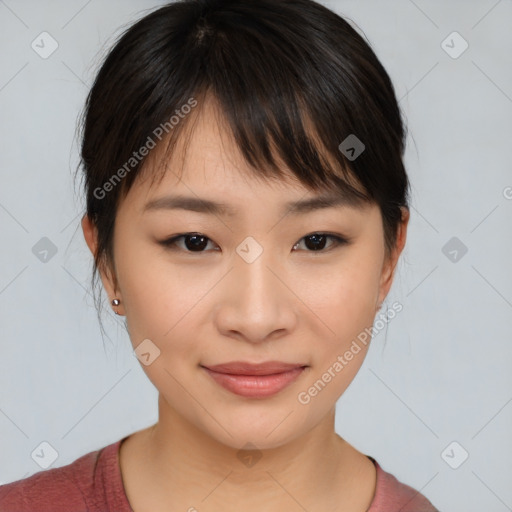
(291, 304)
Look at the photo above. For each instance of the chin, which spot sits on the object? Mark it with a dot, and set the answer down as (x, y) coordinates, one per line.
(263, 429)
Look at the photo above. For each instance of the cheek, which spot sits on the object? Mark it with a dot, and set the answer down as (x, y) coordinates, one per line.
(155, 296)
(343, 296)
(163, 304)
(343, 301)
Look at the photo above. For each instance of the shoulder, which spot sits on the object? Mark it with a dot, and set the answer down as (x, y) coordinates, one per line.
(47, 490)
(391, 494)
(79, 486)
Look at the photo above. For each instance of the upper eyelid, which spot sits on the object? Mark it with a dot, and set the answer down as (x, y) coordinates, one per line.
(338, 239)
(193, 233)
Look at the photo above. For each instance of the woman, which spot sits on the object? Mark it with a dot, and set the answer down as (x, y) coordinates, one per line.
(247, 204)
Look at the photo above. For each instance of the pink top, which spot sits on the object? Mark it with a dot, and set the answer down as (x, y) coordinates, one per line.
(93, 483)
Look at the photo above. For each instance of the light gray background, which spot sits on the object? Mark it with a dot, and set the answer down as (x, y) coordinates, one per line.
(439, 373)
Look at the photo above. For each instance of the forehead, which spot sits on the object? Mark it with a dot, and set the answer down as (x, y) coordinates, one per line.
(205, 171)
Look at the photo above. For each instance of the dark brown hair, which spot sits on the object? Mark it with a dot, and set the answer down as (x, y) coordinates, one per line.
(292, 78)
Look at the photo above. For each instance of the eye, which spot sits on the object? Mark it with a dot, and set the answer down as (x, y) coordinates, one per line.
(317, 241)
(194, 242)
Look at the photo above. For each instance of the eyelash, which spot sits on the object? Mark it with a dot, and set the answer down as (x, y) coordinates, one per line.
(170, 243)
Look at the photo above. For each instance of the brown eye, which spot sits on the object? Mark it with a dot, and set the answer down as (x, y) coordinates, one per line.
(197, 243)
(316, 242)
(193, 242)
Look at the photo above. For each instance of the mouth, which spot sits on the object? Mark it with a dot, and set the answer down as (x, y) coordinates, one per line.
(255, 380)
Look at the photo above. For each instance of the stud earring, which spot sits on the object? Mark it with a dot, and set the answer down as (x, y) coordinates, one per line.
(116, 302)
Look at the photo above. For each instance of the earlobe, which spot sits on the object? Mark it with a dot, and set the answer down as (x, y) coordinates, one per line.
(386, 281)
(390, 266)
(91, 238)
(90, 234)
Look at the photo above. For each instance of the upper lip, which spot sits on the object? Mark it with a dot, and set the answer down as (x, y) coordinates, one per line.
(245, 368)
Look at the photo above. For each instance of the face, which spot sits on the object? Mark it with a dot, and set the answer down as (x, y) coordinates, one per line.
(255, 284)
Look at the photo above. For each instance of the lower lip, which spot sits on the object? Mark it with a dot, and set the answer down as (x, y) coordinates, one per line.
(255, 386)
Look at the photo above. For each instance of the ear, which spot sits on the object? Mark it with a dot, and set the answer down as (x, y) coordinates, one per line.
(388, 270)
(107, 276)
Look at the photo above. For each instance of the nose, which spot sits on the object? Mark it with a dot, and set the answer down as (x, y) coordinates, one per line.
(254, 303)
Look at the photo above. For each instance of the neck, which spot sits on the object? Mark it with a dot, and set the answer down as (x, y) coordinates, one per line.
(190, 467)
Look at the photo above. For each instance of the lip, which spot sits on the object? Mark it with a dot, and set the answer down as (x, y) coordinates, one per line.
(255, 380)
(245, 368)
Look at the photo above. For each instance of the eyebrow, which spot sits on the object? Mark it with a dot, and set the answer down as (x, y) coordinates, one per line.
(202, 205)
